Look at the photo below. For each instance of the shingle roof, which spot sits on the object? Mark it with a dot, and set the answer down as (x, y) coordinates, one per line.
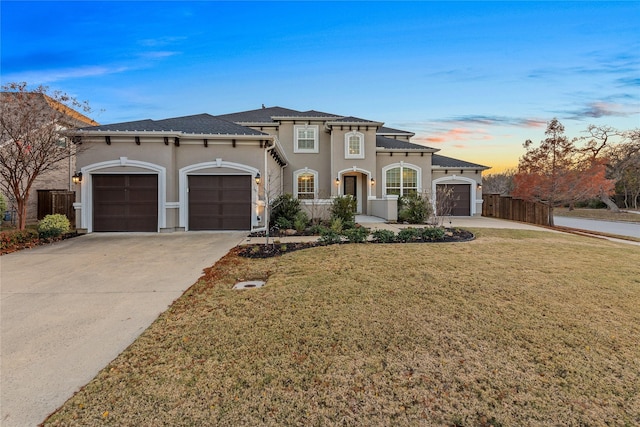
(352, 119)
(395, 144)
(205, 124)
(261, 115)
(314, 113)
(449, 162)
(264, 115)
(390, 131)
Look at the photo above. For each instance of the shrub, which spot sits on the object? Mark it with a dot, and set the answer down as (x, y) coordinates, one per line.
(284, 206)
(336, 225)
(344, 207)
(9, 239)
(408, 234)
(384, 236)
(432, 233)
(414, 209)
(53, 226)
(301, 221)
(317, 229)
(357, 234)
(329, 237)
(283, 223)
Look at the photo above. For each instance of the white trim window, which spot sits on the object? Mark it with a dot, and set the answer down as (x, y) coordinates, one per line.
(354, 145)
(401, 180)
(305, 184)
(305, 138)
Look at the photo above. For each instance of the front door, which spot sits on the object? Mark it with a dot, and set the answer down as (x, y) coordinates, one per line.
(350, 187)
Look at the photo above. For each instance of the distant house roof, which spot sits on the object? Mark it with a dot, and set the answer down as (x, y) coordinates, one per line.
(449, 162)
(385, 143)
(204, 124)
(45, 106)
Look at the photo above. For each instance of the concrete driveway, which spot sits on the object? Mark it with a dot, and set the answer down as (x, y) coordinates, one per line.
(68, 309)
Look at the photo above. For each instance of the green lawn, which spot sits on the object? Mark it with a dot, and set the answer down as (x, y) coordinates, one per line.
(515, 328)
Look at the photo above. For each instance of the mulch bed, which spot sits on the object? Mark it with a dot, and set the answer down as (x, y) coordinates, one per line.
(35, 243)
(261, 250)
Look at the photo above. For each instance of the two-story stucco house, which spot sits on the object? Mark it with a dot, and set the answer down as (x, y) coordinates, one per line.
(207, 172)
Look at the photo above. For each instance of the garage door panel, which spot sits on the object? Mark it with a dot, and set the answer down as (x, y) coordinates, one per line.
(125, 202)
(219, 202)
(459, 200)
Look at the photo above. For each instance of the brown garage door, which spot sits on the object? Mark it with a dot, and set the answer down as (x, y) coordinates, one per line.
(219, 202)
(459, 203)
(125, 202)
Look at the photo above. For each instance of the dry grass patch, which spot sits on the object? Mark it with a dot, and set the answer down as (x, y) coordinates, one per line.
(515, 328)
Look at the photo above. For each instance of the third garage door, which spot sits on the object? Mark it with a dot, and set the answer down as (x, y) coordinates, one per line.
(219, 202)
(459, 203)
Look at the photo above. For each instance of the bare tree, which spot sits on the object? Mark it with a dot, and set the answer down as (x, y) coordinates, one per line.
(32, 142)
(625, 163)
(444, 205)
(615, 149)
(498, 183)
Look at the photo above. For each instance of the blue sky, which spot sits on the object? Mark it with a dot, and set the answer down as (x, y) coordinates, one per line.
(474, 79)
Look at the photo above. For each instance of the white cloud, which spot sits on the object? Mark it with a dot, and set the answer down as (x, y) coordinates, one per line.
(37, 77)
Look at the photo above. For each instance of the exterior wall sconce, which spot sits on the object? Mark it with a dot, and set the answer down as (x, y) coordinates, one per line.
(337, 180)
(373, 181)
(77, 178)
(258, 178)
(479, 187)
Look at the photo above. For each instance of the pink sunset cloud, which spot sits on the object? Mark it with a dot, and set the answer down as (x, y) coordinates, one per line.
(455, 134)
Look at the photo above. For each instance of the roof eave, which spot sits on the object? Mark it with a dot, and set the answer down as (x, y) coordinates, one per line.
(477, 167)
(404, 134)
(256, 123)
(303, 118)
(377, 124)
(403, 150)
(172, 133)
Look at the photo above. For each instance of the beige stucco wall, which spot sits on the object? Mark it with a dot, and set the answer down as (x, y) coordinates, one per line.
(153, 156)
(319, 162)
(423, 162)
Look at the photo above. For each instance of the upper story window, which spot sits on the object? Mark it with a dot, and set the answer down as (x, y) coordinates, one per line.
(305, 139)
(401, 180)
(354, 145)
(306, 184)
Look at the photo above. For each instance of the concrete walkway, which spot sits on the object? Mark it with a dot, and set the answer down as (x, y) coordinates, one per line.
(68, 309)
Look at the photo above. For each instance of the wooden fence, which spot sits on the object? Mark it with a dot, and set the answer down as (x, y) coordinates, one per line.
(506, 207)
(56, 202)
